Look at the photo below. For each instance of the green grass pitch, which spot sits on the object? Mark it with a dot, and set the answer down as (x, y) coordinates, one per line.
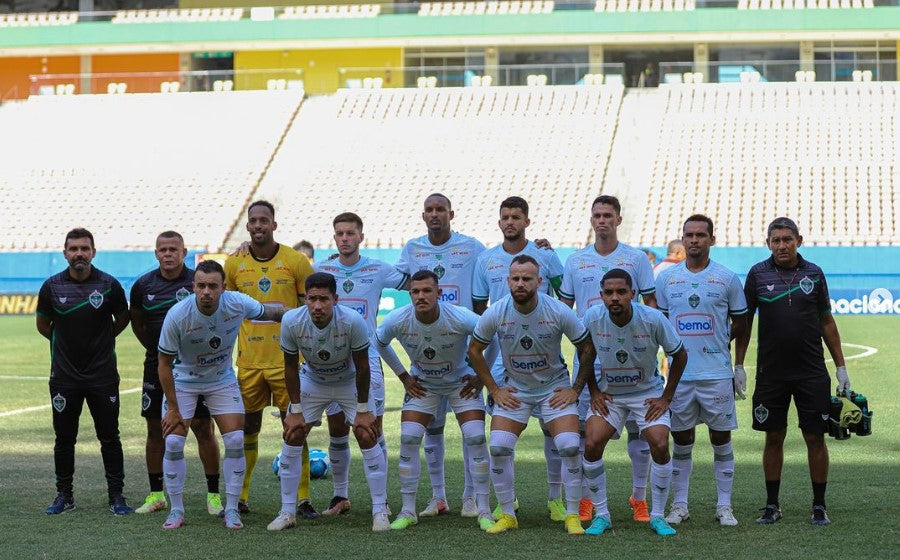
(862, 492)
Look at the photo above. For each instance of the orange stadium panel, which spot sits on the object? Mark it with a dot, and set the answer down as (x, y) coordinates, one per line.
(165, 67)
(15, 72)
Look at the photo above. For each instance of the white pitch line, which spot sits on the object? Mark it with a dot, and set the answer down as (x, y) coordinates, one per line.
(26, 377)
(46, 406)
(867, 351)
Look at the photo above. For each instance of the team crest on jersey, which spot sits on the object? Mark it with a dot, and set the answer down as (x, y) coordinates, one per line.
(348, 285)
(215, 342)
(694, 301)
(59, 402)
(429, 353)
(96, 299)
(806, 285)
(324, 355)
(621, 356)
(264, 284)
(439, 271)
(527, 342)
(181, 294)
(761, 413)
(145, 401)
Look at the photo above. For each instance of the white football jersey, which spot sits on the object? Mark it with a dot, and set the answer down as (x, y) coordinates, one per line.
(698, 306)
(203, 344)
(492, 270)
(627, 355)
(437, 352)
(530, 344)
(359, 286)
(585, 269)
(453, 263)
(327, 352)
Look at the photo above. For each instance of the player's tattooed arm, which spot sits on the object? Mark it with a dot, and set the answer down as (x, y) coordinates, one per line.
(564, 396)
(479, 306)
(273, 312)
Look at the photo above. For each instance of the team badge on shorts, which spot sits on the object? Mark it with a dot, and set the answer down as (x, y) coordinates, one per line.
(429, 353)
(215, 342)
(622, 356)
(145, 401)
(59, 402)
(694, 301)
(348, 285)
(264, 284)
(527, 342)
(96, 299)
(761, 413)
(806, 285)
(324, 355)
(181, 294)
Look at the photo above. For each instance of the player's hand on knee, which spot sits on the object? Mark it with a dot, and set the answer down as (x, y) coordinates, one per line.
(740, 382)
(505, 397)
(656, 407)
(471, 388)
(365, 423)
(412, 386)
(598, 402)
(172, 422)
(294, 428)
(843, 380)
(563, 397)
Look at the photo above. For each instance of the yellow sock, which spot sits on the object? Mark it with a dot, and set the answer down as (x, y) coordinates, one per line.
(251, 452)
(303, 489)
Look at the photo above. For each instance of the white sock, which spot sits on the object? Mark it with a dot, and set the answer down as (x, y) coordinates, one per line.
(468, 485)
(682, 465)
(478, 463)
(639, 453)
(234, 465)
(595, 479)
(373, 462)
(382, 443)
(434, 458)
(567, 444)
(175, 469)
(660, 479)
(585, 491)
(554, 468)
(339, 455)
(410, 465)
(503, 445)
(723, 464)
(289, 469)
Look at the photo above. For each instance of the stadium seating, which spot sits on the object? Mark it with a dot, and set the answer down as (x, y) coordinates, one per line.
(824, 153)
(38, 19)
(644, 5)
(331, 11)
(803, 4)
(178, 15)
(491, 7)
(129, 166)
(381, 152)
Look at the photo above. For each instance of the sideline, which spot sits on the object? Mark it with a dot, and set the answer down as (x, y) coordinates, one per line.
(46, 406)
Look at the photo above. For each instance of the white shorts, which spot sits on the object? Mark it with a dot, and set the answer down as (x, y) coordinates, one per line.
(437, 400)
(224, 400)
(376, 388)
(537, 406)
(584, 412)
(316, 397)
(704, 402)
(625, 408)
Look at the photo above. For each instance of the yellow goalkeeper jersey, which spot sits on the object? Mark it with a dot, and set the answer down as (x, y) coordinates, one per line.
(276, 280)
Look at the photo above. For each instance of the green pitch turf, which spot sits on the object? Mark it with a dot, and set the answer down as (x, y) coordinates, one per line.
(862, 493)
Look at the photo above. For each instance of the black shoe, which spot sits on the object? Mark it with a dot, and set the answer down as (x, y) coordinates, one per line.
(771, 514)
(819, 517)
(62, 504)
(306, 510)
(118, 506)
(243, 507)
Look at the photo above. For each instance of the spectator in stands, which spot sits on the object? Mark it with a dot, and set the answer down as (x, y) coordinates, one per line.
(81, 311)
(674, 255)
(652, 256)
(648, 77)
(306, 248)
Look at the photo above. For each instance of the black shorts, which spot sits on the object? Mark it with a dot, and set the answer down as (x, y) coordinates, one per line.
(772, 398)
(152, 396)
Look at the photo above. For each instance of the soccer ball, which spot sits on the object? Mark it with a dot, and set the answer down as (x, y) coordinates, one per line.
(319, 463)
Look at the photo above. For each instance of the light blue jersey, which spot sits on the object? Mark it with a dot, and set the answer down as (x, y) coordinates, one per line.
(585, 269)
(437, 352)
(698, 306)
(327, 352)
(530, 344)
(203, 344)
(492, 270)
(627, 355)
(453, 263)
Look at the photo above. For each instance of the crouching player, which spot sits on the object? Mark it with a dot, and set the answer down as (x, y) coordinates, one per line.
(627, 336)
(334, 341)
(195, 347)
(435, 336)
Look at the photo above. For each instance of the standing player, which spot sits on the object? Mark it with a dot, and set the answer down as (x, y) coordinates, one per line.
(627, 336)
(152, 295)
(699, 296)
(334, 341)
(791, 295)
(435, 336)
(81, 311)
(581, 288)
(269, 273)
(530, 326)
(361, 282)
(195, 348)
(451, 256)
(489, 284)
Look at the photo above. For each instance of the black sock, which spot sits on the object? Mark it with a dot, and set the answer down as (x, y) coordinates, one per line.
(212, 483)
(772, 488)
(156, 482)
(819, 493)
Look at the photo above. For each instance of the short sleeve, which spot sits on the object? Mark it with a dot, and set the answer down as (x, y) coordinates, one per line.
(136, 296)
(252, 308)
(393, 277)
(469, 319)
(750, 291)
(666, 336)
(737, 301)
(385, 332)
(480, 289)
(230, 273)
(359, 332)
(302, 271)
(487, 325)
(567, 288)
(170, 336)
(555, 267)
(573, 327)
(403, 264)
(662, 300)
(45, 301)
(644, 272)
(824, 299)
(117, 302)
(288, 341)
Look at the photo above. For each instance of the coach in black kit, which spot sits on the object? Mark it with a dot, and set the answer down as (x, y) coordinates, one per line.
(81, 310)
(791, 295)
